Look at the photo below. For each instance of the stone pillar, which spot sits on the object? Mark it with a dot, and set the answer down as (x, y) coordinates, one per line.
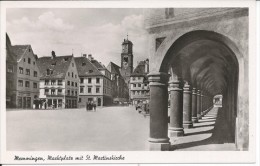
(201, 104)
(176, 110)
(187, 111)
(198, 104)
(158, 83)
(194, 106)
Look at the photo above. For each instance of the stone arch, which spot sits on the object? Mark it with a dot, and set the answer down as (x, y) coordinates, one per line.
(232, 79)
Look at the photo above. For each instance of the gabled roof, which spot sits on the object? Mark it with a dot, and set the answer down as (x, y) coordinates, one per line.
(140, 69)
(19, 50)
(97, 64)
(86, 68)
(59, 65)
(113, 68)
(10, 56)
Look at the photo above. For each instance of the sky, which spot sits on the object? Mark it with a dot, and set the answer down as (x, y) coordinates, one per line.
(99, 32)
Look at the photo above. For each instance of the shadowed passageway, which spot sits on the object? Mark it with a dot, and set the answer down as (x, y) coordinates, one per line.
(211, 133)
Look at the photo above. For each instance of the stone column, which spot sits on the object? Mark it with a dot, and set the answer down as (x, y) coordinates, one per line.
(187, 111)
(176, 110)
(158, 83)
(198, 104)
(194, 106)
(202, 104)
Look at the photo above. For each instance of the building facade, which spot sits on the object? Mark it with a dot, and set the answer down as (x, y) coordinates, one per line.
(11, 75)
(95, 83)
(59, 82)
(139, 85)
(27, 86)
(118, 86)
(205, 53)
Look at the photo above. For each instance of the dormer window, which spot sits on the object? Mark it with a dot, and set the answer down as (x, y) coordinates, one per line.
(49, 71)
(83, 64)
(90, 71)
(66, 59)
(53, 63)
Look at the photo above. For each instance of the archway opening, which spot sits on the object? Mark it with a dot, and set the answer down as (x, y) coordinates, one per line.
(208, 62)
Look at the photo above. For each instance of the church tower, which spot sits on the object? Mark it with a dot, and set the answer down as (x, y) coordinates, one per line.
(127, 59)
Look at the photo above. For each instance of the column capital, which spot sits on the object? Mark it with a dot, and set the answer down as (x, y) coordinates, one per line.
(175, 86)
(158, 78)
(186, 88)
(194, 90)
(198, 92)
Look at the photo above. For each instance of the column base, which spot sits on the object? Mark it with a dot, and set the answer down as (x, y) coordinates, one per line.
(195, 120)
(199, 116)
(176, 132)
(159, 144)
(187, 125)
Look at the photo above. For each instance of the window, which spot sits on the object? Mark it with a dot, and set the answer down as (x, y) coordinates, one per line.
(81, 80)
(46, 91)
(20, 83)
(139, 85)
(46, 82)
(27, 84)
(53, 82)
(75, 75)
(34, 85)
(98, 80)
(68, 92)
(68, 73)
(68, 83)
(133, 78)
(10, 68)
(72, 83)
(20, 70)
(59, 91)
(35, 73)
(81, 90)
(89, 89)
(72, 93)
(134, 85)
(72, 74)
(53, 91)
(76, 84)
(49, 71)
(76, 93)
(33, 62)
(59, 82)
(29, 60)
(79, 100)
(23, 59)
(89, 80)
(27, 71)
(97, 90)
(72, 66)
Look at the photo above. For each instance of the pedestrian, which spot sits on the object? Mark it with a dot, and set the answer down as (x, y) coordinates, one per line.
(94, 106)
(87, 106)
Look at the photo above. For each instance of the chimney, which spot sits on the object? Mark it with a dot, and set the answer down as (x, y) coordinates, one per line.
(53, 54)
(89, 57)
(85, 55)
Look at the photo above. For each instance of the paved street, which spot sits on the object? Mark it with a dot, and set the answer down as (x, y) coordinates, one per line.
(108, 129)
